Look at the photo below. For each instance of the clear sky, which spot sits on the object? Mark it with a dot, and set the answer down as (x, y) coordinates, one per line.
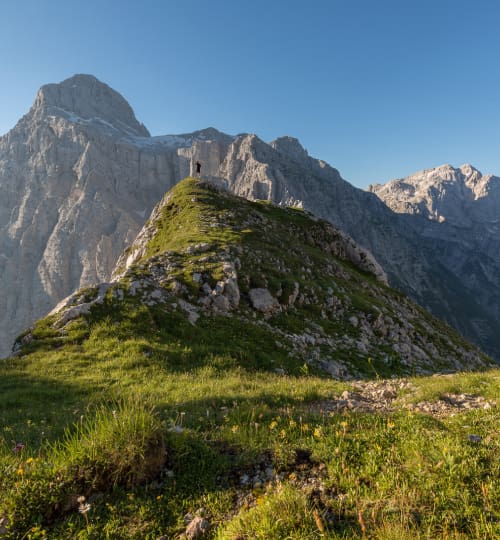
(378, 88)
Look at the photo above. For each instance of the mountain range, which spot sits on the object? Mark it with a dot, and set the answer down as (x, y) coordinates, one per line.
(79, 175)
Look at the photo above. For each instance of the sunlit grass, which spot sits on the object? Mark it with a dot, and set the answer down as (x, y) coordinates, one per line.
(132, 418)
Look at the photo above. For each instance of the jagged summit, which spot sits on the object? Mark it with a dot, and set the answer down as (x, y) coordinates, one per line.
(209, 134)
(444, 193)
(84, 97)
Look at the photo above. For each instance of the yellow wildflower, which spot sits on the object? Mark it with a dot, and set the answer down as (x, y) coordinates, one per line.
(273, 425)
(318, 432)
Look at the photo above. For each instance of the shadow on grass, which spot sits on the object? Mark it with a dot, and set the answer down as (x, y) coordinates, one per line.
(37, 408)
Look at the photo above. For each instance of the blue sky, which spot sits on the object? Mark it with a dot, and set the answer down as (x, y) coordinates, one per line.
(378, 88)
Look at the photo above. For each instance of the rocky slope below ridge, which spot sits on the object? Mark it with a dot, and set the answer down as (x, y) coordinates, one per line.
(457, 214)
(322, 303)
(78, 175)
(456, 281)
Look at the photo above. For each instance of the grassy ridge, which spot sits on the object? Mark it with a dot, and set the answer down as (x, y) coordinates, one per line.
(129, 418)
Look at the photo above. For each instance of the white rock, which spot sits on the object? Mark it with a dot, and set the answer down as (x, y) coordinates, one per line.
(262, 300)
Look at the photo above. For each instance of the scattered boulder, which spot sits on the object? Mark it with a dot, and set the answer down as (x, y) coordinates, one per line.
(293, 295)
(198, 527)
(221, 303)
(4, 523)
(232, 292)
(451, 404)
(191, 311)
(262, 300)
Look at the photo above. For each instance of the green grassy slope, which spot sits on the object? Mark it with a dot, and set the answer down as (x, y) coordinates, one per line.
(122, 421)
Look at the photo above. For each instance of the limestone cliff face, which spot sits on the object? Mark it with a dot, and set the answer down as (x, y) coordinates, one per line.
(78, 177)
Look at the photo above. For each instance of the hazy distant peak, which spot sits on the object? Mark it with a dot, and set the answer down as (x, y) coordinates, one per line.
(461, 196)
(467, 170)
(85, 98)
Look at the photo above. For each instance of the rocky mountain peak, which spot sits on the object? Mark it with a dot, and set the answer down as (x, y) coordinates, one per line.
(291, 147)
(210, 134)
(467, 170)
(443, 193)
(84, 97)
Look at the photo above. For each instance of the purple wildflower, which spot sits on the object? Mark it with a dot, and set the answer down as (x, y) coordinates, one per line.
(19, 446)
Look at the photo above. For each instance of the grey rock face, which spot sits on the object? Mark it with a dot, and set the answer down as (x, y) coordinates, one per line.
(84, 99)
(78, 177)
(456, 214)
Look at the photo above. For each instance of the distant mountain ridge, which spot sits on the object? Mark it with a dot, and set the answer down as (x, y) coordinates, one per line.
(456, 213)
(462, 197)
(79, 175)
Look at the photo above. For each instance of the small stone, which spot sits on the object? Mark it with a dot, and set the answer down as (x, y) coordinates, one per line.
(206, 288)
(221, 303)
(475, 438)
(4, 523)
(232, 292)
(197, 528)
(262, 300)
(269, 473)
(156, 294)
(354, 321)
(244, 479)
(219, 287)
